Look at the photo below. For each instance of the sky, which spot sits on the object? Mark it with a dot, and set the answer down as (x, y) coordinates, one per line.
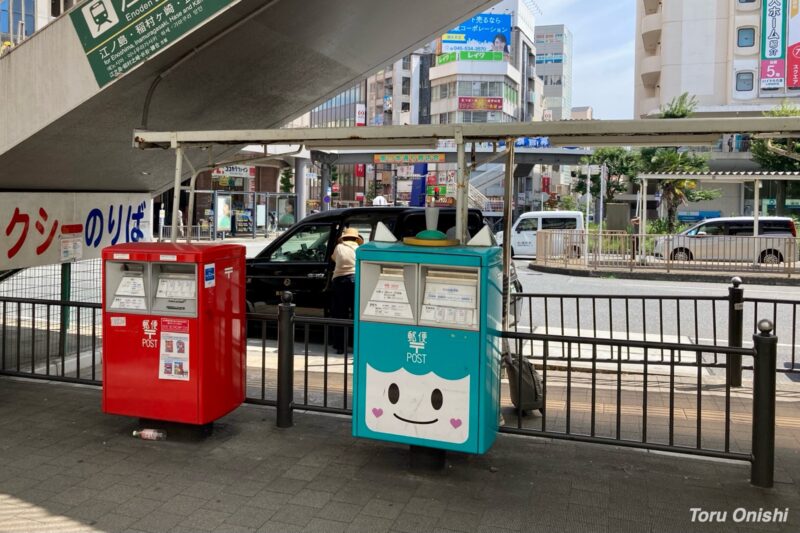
(603, 52)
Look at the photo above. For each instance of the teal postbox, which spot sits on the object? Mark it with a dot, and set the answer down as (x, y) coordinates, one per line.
(427, 346)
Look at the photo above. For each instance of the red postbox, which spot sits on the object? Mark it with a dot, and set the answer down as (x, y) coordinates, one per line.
(174, 331)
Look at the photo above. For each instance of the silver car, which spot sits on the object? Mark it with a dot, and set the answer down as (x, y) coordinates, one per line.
(731, 239)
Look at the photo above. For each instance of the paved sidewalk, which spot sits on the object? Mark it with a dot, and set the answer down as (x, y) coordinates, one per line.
(68, 467)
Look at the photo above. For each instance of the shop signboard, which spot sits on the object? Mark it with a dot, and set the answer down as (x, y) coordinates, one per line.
(793, 48)
(484, 32)
(469, 55)
(479, 103)
(443, 59)
(235, 171)
(407, 159)
(49, 228)
(773, 45)
(118, 35)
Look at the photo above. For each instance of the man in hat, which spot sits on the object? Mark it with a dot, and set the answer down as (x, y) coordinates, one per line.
(343, 281)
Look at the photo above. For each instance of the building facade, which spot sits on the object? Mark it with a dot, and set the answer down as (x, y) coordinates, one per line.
(582, 113)
(738, 58)
(733, 55)
(486, 69)
(554, 66)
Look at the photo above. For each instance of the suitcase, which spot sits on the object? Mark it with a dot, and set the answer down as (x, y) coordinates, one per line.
(530, 395)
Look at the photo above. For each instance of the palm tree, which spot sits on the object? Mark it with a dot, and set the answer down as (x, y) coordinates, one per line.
(677, 192)
(673, 161)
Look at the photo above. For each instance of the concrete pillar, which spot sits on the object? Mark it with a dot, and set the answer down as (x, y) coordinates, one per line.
(300, 185)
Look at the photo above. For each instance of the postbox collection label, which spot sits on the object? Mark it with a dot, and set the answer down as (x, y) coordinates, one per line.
(173, 362)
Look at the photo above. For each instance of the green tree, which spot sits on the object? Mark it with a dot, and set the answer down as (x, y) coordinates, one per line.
(773, 161)
(287, 180)
(567, 203)
(623, 167)
(677, 191)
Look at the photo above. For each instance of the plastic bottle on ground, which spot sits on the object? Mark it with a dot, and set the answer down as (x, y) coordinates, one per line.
(150, 434)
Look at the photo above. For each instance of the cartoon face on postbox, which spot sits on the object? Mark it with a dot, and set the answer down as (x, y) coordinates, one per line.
(422, 406)
(419, 385)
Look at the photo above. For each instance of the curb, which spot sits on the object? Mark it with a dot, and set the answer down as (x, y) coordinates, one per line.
(664, 276)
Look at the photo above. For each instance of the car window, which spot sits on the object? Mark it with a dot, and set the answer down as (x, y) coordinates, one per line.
(772, 227)
(414, 222)
(308, 245)
(740, 229)
(713, 228)
(559, 223)
(528, 224)
(364, 228)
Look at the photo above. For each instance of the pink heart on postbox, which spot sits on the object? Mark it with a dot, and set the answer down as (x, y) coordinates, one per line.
(455, 422)
(377, 412)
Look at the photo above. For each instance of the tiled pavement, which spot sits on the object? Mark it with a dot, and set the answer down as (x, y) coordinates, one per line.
(65, 466)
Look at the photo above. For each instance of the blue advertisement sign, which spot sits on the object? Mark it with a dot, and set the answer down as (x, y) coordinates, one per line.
(486, 31)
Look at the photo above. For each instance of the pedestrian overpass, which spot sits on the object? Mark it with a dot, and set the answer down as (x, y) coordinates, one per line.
(74, 91)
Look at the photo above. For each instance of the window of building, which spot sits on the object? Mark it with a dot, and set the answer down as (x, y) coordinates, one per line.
(406, 86)
(746, 37)
(405, 106)
(544, 59)
(407, 63)
(11, 24)
(744, 81)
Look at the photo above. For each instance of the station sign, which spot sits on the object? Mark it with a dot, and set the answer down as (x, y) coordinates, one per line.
(118, 35)
(408, 158)
(48, 228)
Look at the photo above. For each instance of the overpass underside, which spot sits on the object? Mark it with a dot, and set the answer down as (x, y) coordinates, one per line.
(251, 64)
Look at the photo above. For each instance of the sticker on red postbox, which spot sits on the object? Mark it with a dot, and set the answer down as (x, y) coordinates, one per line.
(173, 361)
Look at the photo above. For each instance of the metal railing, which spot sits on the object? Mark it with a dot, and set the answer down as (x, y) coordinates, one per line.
(687, 319)
(652, 403)
(608, 250)
(51, 339)
(205, 233)
(624, 398)
(602, 390)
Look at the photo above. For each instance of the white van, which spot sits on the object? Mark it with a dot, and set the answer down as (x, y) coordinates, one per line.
(524, 230)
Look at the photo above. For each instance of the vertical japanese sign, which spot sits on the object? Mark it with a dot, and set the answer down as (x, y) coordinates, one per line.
(118, 35)
(773, 45)
(793, 48)
(361, 115)
(49, 228)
